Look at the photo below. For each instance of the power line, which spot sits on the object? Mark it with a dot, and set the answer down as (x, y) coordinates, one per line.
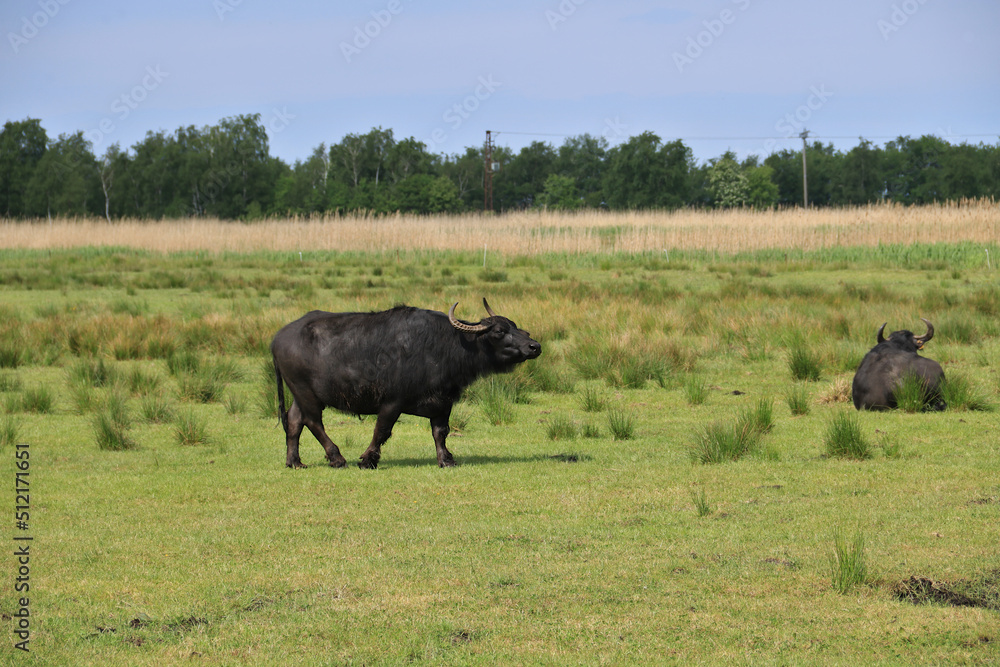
(784, 137)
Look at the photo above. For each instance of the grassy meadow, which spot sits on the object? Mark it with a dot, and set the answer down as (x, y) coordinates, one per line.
(679, 478)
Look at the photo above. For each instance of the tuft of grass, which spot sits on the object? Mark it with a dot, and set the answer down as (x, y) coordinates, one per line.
(700, 500)
(267, 394)
(844, 438)
(156, 409)
(9, 430)
(460, 418)
(890, 446)
(798, 400)
(181, 362)
(542, 377)
(848, 563)
(11, 355)
(93, 373)
(141, 383)
(10, 382)
(493, 276)
(803, 364)
(235, 403)
(201, 386)
(590, 431)
(695, 389)
(561, 428)
(960, 394)
(113, 423)
(839, 391)
(758, 418)
(83, 398)
(39, 400)
(592, 400)
(911, 393)
(719, 442)
(190, 429)
(621, 424)
(496, 401)
(632, 373)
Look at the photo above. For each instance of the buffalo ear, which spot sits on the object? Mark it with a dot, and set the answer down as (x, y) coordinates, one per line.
(879, 337)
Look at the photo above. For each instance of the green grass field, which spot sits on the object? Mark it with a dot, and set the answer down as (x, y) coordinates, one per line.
(580, 526)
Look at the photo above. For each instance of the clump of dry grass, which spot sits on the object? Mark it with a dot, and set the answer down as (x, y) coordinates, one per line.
(536, 232)
(839, 391)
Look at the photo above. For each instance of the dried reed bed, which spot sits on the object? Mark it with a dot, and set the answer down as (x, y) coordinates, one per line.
(535, 232)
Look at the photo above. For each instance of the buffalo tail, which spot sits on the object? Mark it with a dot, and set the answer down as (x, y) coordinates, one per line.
(282, 413)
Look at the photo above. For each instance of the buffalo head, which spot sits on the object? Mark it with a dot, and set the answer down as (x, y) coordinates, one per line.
(509, 344)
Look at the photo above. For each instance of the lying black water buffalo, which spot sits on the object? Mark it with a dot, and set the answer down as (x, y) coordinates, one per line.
(404, 360)
(884, 367)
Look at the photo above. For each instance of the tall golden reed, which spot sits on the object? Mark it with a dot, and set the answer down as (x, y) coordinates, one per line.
(534, 232)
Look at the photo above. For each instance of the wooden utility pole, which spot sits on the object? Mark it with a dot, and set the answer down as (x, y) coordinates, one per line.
(488, 172)
(805, 182)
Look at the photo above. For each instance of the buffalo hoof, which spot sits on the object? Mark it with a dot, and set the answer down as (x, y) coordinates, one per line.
(338, 462)
(295, 465)
(447, 463)
(368, 462)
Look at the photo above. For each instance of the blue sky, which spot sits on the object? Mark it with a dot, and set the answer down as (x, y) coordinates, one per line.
(745, 75)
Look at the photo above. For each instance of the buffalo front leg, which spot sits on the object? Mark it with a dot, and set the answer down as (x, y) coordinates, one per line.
(383, 431)
(440, 430)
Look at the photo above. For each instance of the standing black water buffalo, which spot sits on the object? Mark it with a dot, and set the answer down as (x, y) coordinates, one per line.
(404, 360)
(884, 367)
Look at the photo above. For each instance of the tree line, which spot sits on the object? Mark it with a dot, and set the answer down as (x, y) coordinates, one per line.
(226, 171)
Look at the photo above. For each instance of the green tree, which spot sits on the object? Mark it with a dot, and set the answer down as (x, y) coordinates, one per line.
(583, 159)
(645, 173)
(22, 145)
(762, 190)
(524, 176)
(106, 168)
(728, 183)
(860, 175)
(466, 172)
(560, 194)
(65, 180)
(239, 167)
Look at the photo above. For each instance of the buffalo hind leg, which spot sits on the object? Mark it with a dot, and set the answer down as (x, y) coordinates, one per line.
(440, 430)
(293, 430)
(297, 419)
(333, 454)
(383, 431)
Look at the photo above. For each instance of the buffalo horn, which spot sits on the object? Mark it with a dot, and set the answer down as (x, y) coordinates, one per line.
(879, 337)
(927, 336)
(488, 309)
(462, 326)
